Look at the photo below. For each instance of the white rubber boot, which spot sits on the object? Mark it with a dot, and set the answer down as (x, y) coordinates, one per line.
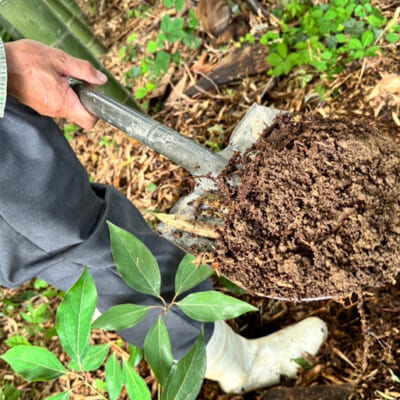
(241, 365)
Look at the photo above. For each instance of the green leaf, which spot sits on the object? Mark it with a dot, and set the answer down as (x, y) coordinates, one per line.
(135, 385)
(10, 392)
(134, 261)
(186, 377)
(17, 340)
(192, 20)
(161, 63)
(179, 5)
(60, 396)
(141, 93)
(341, 38)
(232, 287)
(190, 275)
(282, 49)
(302, 362)
(355, 44)
(274, 59)
(94, 359)
(151, 46)
(101, 385)
(135, 355)
(367, 38)
(122, 316)
(212, 306)
(157, 349)
(375, 21)
(40, 284)
(114, 378)
(74, 317)
(392, 37)
(172, 28)
(168, 3)
(34, 363)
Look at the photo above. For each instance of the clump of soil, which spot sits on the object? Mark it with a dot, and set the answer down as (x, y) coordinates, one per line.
(317, 212)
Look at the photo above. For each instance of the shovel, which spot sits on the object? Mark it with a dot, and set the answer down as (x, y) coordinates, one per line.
(200, 162)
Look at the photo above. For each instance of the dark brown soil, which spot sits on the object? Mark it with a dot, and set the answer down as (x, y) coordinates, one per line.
(317, 212)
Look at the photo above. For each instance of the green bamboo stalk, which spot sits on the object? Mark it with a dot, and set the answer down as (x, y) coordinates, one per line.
(75, 9)
(9, 28)
(80, 29)
(35, 20)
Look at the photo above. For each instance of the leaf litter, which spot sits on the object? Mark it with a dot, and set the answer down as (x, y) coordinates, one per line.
(363, 344)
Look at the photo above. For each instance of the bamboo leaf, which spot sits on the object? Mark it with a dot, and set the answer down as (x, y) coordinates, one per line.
(134, 261)
(119, 317)
(190, 275)
(135, 355)
(74, 317)
(34, 363)
(188, 225)
(114, 378)
(135, 385)
(60, 396)
(212, 306)
(157, 349)
(186, 377)
(94, 358)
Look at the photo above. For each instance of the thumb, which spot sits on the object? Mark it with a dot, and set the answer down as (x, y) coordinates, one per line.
(79, 69)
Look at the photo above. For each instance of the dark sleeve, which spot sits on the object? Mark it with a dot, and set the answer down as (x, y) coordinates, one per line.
(53, 223)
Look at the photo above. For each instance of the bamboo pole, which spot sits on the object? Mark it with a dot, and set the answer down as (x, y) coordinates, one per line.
(73, 6)
(9, 28)
(35, 20)
(80, 29)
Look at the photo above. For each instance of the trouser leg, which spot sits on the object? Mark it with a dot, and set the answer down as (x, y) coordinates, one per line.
(53, 223)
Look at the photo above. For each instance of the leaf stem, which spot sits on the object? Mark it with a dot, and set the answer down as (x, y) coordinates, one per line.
(87, 383)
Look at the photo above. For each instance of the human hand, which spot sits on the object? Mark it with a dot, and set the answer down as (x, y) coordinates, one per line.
(38, 77)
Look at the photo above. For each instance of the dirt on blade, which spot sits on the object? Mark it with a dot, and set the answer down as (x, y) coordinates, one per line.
(317, 212)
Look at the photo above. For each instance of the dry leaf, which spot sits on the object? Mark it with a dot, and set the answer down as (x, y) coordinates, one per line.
(188, 225)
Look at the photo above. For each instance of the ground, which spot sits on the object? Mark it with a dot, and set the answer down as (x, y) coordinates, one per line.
(364, 337)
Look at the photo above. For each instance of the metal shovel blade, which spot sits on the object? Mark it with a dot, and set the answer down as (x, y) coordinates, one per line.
(196, 159)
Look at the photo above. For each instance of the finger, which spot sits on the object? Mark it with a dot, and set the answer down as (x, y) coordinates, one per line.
(77, 68)
(74, 110)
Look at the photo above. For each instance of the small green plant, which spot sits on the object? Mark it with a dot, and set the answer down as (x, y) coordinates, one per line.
(158, 54)
(327, 36)
(69, 131)
(106, 141)
(9, 392)
(139, 269)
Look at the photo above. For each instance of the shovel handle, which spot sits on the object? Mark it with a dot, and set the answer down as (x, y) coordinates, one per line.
(183, 151)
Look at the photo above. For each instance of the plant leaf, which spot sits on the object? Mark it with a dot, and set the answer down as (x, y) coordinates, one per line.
(94, 358)
(190, 275)
(74, 317)
(135, 355)
(157, 349)
(17, 340)
(34, 363)
(135, 385)
(114, 378)
(186, 377)
(134, 261)
(60, 396)
(212, 306)
(121, 317)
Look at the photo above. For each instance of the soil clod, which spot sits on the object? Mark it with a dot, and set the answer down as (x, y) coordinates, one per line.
(317, 212)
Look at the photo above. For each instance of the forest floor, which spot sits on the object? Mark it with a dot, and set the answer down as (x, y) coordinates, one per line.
(363, 347)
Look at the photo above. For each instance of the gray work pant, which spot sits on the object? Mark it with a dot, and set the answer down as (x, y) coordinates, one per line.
(53, 223)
